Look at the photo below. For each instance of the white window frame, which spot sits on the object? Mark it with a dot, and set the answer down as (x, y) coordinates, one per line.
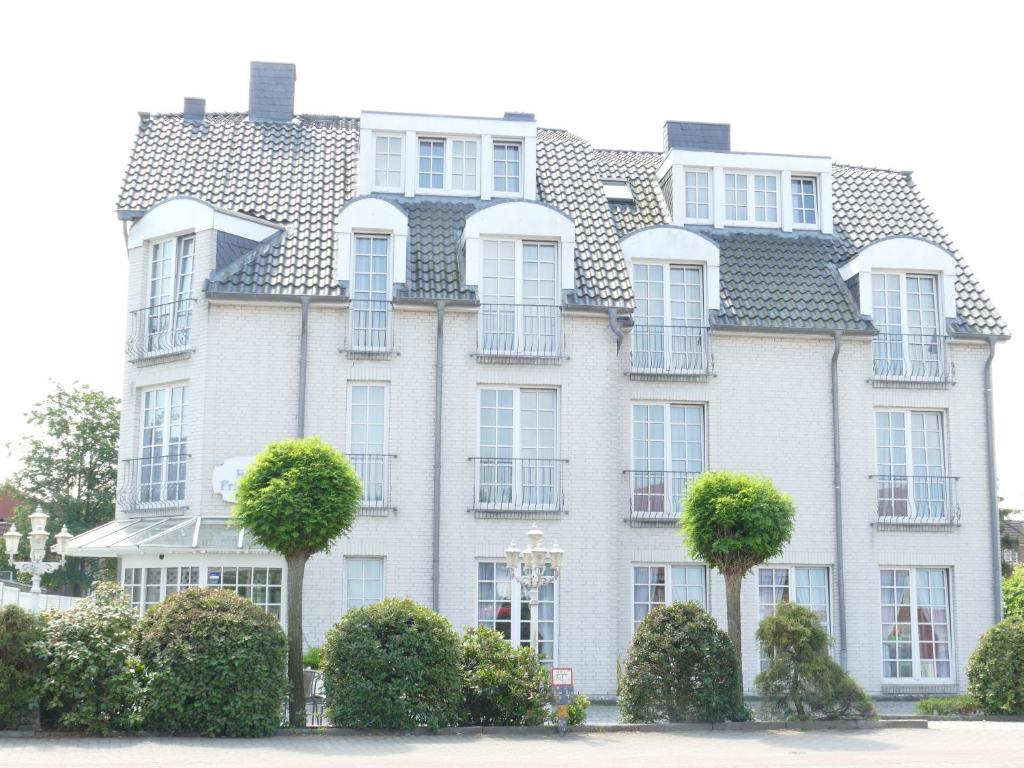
(907, 338)
(143, 604)
(389, 294)
(751, 220)
(917, 678)
(816, 225)
(667, 459)
(165, 443)
(368, 502)
(495, 143)
(447, 187)
(669, 339)
(911, 468)
(168, 318)
(517, 596)
(400, 187)
(791, 597)
(708, 174)
(348, 600)
(251, 585)
(669, 587)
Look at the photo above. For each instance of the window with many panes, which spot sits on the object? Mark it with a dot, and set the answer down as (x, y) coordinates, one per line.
(388, 162)
(164, 460)
(911, 465)
(805, 201)
(464, 164)
(518, 448)
(905, 310)
(916, 632)
(169, 309)
(371, 294)
(260, 585)
(146, 587)
(661, 584)
(751, 198)
(367, 440)
(502, 605)
(806, 586)
(520, 309)
(668, 453)
(364, 581)
(669, 334)
(507, 167)
(431, 170)
(698, 195)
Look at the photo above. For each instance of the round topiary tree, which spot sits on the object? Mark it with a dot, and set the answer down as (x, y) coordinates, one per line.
(22, 661)
(995, 673)
(296, 498)
(214, 665)
(1013, 593)
(734, 522)
(802, 680)
(502, 684)
(392, 665)
(681, 667)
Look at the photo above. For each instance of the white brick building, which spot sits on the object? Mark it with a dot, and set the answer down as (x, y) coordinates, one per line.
(501, 324)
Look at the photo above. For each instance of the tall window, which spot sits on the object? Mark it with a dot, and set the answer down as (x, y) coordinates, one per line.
(503, 606)
(805, 201)
(736, 196)
(661, 584)
(517, 461)
(520, 308)
(916, 637)
(766, 198)
(261, 585)
(371, 294)
(388, 162)
(431, 164)
(507, 164)
(669, 334)
(905, 310)
(131, 580)
(910, 458)
(668, 452)
(805, 586)
(464, 157)
(698, 195)
(367, 440)
(751, 198)
(169, 311)
(364, 581)
(164, 459)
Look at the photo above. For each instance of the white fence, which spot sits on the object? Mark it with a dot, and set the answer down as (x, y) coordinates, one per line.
(15, 596)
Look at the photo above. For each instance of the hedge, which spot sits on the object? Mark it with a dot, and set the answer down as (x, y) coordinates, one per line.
(22, 663)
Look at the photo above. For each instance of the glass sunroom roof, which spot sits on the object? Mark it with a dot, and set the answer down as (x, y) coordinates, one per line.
(162, 534)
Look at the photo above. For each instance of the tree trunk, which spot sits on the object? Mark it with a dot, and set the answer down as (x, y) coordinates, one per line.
(296, 683)
(733, 582)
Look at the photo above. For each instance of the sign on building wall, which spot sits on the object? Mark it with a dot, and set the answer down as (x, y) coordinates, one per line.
(226, 475)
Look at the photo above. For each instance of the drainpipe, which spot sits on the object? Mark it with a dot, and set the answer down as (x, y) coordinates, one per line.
(435, 575)
(837, 484)
(303, 345)
(613, 321)
(990, 449)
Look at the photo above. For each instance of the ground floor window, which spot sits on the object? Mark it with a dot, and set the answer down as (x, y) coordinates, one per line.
(261, 585)
(807, 586)
(916, 634)
(660, 584)
(364, 581)
(504, 606)
(146, 587)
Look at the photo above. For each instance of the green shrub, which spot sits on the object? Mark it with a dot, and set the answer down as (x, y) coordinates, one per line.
(392, 665)
(215, 665)
(313, 658)
(502, 684)
(93, 676)
(802, 681)
(577, 714)
(948, 705)
(22, 661)
(995, 673)
(1013, 593)
(681, 667)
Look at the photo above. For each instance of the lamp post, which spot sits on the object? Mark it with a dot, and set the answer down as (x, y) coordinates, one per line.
(37, 537)
(533, 568)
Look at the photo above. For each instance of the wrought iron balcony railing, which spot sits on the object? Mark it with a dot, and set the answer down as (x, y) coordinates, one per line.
(371, 327)
(917, 499)
(520, 330)
(159, 329)
(523, 485)
(656, 496)
(374, 469)
(673, 350)
(911, 357)
(153, 482)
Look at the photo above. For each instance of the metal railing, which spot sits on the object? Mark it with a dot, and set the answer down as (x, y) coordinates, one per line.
(374, 469)
(520, 330)
(911, 357)
(680, 350)
(518, 485)
(656, 496)
(371, 328)
(916, 499)
(159, 329)
(153, 482)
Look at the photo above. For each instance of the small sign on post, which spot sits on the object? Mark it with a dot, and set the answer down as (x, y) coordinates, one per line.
(562, 688)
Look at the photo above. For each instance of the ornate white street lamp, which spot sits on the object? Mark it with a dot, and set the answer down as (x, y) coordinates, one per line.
(533, 568)
(37, 537)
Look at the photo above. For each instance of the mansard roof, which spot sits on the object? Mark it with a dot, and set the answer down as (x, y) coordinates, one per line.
(300, 173)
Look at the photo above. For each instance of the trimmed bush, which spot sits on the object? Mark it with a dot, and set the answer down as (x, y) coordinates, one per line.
(392, 665)
(502, 684)
(22, 661)
(802, 681)
(948, 705)
(577, 711)
(1013, 593)
(93, 676)
(215, 665)
(995, 673)
(681, 667)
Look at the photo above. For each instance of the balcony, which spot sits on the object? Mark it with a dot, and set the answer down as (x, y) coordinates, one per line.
(520, 332)
(159, 330)
(916, 501)
(669, 351)
(153, 482)
(374, 469)
(656, 496)
(518, 488)
(371, 328)
(914, 359)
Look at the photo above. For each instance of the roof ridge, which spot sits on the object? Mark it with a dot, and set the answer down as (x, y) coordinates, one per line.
(876, 168)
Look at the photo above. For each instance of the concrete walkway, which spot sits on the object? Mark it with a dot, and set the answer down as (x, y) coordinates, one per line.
(943, 744)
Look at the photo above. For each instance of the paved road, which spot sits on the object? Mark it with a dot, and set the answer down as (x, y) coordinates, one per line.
(944, 744)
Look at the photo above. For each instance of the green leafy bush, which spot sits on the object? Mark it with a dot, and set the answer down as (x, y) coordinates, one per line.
(313, 658)
(502, 684)
(577, 714)
(995, 673)
(802, 681)
(681, 667)
(215, 665)
(93, 677)
(948, 705)
(392, 665)
(1013, 593)
(22, 661)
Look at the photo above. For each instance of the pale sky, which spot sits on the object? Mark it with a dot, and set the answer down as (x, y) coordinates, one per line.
(894, 85)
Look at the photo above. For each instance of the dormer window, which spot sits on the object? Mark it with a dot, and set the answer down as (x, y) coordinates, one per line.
(805, 201)
(371, 294)
(698, 196)
(388, 162)
(738, 207)
(507, 165)
(431, 164)
(464, 157)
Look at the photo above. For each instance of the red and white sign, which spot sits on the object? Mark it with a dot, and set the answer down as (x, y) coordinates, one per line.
(561, 676)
